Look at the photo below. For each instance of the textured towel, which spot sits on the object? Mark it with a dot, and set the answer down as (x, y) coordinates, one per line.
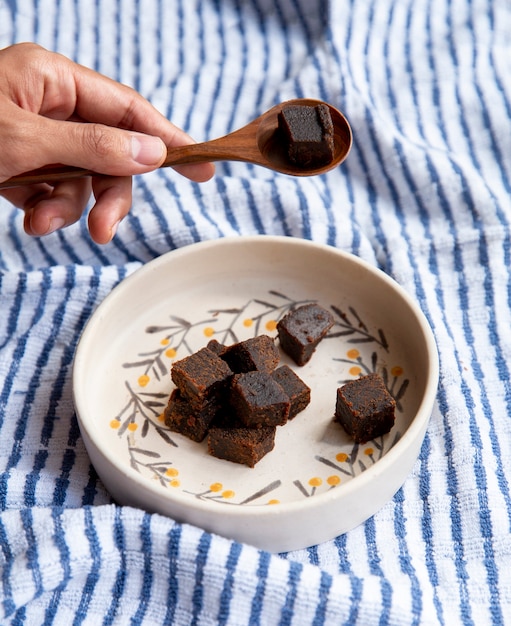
(424, 195)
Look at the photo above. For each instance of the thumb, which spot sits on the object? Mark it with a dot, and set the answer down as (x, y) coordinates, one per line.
(104, 149)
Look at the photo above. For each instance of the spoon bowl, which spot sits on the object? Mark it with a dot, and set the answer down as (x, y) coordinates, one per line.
(259, 143)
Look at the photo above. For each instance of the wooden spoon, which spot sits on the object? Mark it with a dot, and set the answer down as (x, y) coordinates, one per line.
(258, 142)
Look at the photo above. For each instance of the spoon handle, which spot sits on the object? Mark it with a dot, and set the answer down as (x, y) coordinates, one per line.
(237, 146)
(46, 174)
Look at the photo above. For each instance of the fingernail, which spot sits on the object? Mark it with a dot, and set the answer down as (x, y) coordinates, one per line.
(113, 230)
(55, 224)
(147, 150)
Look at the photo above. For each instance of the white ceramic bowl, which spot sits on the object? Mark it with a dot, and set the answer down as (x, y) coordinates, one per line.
(316, 483)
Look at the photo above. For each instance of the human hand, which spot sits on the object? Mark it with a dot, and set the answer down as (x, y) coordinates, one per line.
(53, 110)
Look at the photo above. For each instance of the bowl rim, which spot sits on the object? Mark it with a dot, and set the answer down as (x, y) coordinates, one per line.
(415, 429)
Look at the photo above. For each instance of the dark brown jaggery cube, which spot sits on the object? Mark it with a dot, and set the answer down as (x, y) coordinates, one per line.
(236, 443)
(301, 330)
(258, 400)
(298, 392)
(201, 376)
(365, 408)
(215, 346)
(309, 134)
(257, 353)
(182, 417)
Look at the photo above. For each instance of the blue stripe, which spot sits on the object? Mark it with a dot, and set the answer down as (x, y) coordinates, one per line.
(427, 526)
(15, 238)
(138, 228)
(186, 215)
(41, 362)
(356, 583)
(304, 212)
(264, 54)
(226, 204)
(218, 86)
(242, 65)
(117, 243)
(375, 568)
(90, 491)
(20, 617)
(277, 204)
(198, 590)
(59, 539)
(19, 351)
(9, 606)
(325, 586)
(199, 198)
(32, 478)
(121, 576)
(345, 172)
(252, 206)
(228, 586)
(68, 353)
(179, 71)
(293, 582)
(32, 552)
(135, 47)
(405, 559)
(147, 573)
(62, 481)
(173, 556)
(288, 53)
(196, 80)
(14, 310)
(93, 576)
(257, 604)
(325, 195)
(42, 244)
(100, 252)
(312, 554)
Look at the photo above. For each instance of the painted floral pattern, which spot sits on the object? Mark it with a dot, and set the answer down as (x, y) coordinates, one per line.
(147, 383)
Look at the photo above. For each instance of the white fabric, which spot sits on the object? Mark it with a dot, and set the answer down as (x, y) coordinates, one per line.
(424, 194)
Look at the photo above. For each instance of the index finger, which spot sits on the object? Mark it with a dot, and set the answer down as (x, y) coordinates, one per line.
(103, 100)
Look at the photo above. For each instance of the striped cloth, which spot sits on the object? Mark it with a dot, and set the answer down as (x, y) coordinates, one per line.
(425, 195)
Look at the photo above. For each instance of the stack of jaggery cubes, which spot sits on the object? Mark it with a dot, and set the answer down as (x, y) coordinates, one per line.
(236, 396)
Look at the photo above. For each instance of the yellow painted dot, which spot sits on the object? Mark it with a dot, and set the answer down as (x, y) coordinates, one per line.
(333, 480)
(209, 332)
(271, 325)
(396, 371)
(274, 501)
(369, 451)
(228, 494)
(115, 424)
(170, 353)
(215, 487)
(353, 353)
(143, 380)
(161, 417)
(315, 482)
(132, 427)
(248, 322)
(171, 471)
(355, 371)
(341, 457)
(165, 342)
(174, 483)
